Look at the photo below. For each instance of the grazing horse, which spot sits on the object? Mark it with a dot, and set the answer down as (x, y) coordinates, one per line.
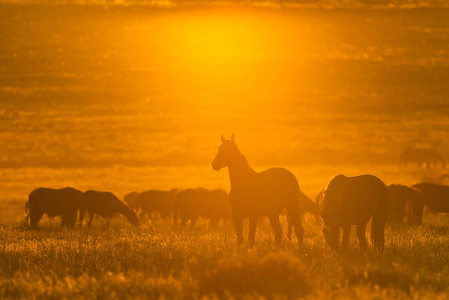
(156, 202)
(405, 203)
(131, 199)
(190, 204)
(255, 195)
(105, 204)
(435, 196)
(353, 201)
(63, 202)
(311, 207)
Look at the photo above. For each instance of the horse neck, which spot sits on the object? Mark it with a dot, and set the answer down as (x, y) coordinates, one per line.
(124, 210)
(240, 173)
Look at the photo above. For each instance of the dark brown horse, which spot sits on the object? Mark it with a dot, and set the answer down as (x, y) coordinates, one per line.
(131, 199)
(406, 205)
(255, 195)
(63, 202)
(191, 204)
(436, 196)
(353, 201)
(156, 202)
(105, 204)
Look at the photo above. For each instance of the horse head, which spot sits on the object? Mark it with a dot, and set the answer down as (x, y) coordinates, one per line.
(228, 153)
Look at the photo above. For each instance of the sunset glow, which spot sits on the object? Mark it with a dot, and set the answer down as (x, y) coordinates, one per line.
(202, 149)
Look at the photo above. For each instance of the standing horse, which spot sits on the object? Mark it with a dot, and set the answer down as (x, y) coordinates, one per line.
(353, 201)
(255, 195)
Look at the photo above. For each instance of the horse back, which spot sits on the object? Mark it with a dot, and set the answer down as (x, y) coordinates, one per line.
(266, 193)
(54, 202)
(354, 200)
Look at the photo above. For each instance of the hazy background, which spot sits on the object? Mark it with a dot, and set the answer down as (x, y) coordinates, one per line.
(130, 95)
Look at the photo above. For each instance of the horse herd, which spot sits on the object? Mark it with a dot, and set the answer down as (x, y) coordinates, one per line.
(346, 201)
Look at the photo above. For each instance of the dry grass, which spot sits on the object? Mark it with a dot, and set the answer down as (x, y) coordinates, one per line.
(156, 261)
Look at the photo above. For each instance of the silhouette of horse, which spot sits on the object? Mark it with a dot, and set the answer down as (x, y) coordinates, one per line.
(105, 204)
(353, 201)
(63, 202)
(255, 195)
(191, 204)
(405, 203)
(421, 157)
(156, 202)
(131, 199)
(309, 206)
(436, 196)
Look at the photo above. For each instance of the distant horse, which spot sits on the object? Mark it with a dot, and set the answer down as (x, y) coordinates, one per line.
(131, 199)
(105, 204)
(405, 203)
(353, 201)
(63, 202)
(156, 202)
(191, 204)
(421, 158)
(307, 205)
(255, 195)
(436, 196)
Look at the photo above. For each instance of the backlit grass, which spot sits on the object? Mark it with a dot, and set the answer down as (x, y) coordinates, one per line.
(157, 261)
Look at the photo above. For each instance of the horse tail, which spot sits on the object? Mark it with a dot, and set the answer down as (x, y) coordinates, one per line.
(27, 211)
(293, 215)
(175, 211)
(379, 220)
(289, 226)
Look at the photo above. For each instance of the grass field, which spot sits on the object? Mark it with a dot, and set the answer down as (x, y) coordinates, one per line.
(159, 261)
(156, 261)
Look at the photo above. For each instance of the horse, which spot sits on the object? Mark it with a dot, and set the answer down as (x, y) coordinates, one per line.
(104, 204)
(353, 201)
(309, 206)
(63, 202)
(255, 194)
(405, 203)
(190, 204)
(156, 201)
(436, 196)
(131, 199)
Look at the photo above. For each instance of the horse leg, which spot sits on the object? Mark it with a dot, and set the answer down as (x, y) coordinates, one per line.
(289, 231)
(361, 235)
(89, 223)
(277, 229)
(194, 220)
(81, 218)
(35, 216)
(299, 230)
(238, 223)
(252, 231)
(346, 232)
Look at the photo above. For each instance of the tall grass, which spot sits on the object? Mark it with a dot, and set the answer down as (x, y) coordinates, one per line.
(156, 261)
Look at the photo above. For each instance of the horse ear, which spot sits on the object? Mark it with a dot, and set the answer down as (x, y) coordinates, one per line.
(232, 137)
(222, 138)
